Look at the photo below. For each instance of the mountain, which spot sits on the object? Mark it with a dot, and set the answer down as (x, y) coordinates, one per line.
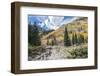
(78, 26)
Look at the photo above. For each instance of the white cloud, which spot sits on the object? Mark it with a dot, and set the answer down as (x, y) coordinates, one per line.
(66, 21)
(41, 24)
(54, 22)
(41, 18)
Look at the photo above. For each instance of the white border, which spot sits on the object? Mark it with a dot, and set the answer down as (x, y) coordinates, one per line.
(25, 64)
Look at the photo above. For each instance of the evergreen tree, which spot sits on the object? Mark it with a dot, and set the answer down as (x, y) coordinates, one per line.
(34, 38)
(76, 41)
(47, 41)
(80, 39)
(30, 33)
(66, 38)
(86, 40)
(73, 39)
(52, 43)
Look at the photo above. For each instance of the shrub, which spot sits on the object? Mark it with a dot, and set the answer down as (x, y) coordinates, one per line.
(78, 53)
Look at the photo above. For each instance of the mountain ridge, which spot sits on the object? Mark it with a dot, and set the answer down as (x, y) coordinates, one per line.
(78, 26)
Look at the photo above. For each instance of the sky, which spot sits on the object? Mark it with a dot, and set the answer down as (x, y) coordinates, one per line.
(50, 22)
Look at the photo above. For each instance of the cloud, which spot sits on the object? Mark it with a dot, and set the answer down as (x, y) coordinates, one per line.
(69, 20)
(38, 19)
(41, 18)
(54, 22)
(51, 22)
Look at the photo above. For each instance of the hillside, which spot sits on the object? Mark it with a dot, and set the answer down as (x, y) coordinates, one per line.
(78, 26)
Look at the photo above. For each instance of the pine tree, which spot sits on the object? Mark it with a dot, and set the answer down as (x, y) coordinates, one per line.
(47, 41)
(66, 38)
(52, 43)
(80, 39)
(54, 40)
(30, 33)
(73, 39)
(33, 37)
(76, 41)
